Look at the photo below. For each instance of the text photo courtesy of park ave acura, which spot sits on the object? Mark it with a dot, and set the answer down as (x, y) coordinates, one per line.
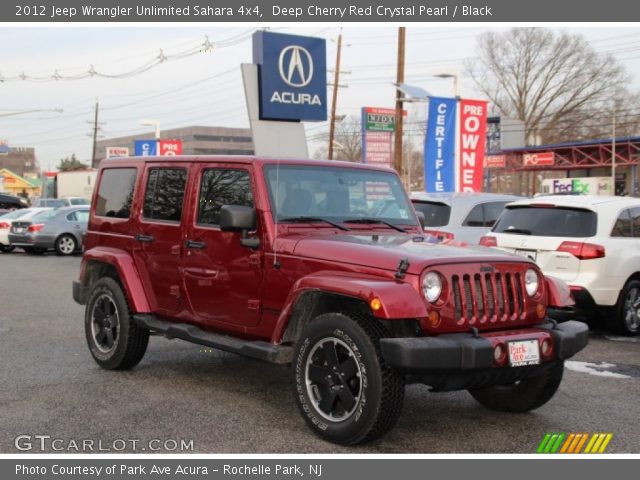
(328, 243)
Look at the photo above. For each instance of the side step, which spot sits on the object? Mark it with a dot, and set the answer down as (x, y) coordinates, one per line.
(251, 348)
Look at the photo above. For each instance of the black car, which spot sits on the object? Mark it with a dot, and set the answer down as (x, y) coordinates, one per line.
(9, 202)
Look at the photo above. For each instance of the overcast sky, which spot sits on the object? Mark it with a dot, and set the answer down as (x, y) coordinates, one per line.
(205, 88)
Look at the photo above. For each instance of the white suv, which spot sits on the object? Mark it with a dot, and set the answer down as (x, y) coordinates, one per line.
(590, 242)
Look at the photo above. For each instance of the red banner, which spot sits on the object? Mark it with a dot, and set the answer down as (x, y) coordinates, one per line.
(170, 147)
(473, 132)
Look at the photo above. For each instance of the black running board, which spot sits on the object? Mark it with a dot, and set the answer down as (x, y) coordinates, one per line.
(251, 348)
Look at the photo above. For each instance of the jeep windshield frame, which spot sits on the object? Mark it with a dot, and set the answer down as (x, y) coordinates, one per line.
(336, 194)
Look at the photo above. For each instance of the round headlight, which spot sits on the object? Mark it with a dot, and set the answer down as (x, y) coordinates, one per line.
(531, 282)
(432, 286)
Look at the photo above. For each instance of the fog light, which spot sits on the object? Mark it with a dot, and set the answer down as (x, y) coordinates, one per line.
(546, 348)
(433, 319)
(541, 311)
(375, 304)
(499, 353)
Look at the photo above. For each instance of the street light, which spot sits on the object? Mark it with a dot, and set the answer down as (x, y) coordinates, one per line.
(152, 123)
(451, 74)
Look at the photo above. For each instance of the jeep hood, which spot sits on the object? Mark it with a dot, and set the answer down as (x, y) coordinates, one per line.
(385, 251)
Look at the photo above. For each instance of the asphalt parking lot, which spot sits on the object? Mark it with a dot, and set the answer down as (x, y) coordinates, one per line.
(230, 404)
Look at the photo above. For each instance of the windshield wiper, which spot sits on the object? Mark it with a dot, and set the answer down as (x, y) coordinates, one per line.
(376, 220)
(522, 231)
(303, 219)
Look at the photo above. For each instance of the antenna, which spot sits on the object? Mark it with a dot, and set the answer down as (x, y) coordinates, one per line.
(277, 195)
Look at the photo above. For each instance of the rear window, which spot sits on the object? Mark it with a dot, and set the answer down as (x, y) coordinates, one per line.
(116, 192)
(547, 222)
(45, 215)
(436, 214)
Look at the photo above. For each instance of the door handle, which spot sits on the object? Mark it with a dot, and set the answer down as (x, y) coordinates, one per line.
(194, 244)
(144, 238)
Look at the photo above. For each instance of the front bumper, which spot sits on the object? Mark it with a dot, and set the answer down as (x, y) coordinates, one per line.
(462, 352)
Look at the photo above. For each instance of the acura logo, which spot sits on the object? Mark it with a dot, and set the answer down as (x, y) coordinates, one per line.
(296, 66)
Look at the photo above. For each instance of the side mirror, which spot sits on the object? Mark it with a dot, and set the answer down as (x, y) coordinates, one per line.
(422, 219)
(238, 218)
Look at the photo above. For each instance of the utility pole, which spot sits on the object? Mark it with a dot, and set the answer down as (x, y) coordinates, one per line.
(95, 136)
(613, 148)
(336, 85)
(397, 160)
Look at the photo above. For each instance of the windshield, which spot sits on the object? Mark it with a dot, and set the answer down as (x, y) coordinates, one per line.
(547, 222)
(337, 194)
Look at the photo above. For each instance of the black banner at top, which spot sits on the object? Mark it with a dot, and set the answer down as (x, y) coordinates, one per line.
(330, 11)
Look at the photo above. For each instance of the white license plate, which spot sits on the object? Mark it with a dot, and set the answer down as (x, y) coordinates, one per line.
(19, 230)
(530, 254)
(526, 352)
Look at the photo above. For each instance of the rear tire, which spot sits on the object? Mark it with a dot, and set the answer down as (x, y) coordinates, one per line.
(116, 342)
(345, 391)
(522, 396)
(6, 248)
(624, 318)
(66, 245)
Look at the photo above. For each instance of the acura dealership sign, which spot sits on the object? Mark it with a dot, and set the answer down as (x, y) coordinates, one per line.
(292, 76)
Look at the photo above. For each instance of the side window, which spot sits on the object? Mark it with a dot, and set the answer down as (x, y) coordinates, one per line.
(72, 217)
(116, 192)
(82, 216)
(635, 221)
(492, 211)
(221, 187)
(164, 194)
(622, 227)
(475, 217)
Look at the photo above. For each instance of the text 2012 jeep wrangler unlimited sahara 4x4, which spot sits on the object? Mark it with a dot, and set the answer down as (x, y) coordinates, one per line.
(322, 265)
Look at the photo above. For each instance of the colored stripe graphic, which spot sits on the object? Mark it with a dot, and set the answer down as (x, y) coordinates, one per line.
(574, 443)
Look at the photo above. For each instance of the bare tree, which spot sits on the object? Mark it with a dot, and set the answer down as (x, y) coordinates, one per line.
(347, 141)
(557, 84)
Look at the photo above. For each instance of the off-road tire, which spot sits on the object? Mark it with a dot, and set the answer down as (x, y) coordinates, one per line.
(380, 388)
(129, 341)
(623, 319)
(66, 244)
(522, 396)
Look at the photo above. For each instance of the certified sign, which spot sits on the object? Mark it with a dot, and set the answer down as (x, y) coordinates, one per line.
(145, 148)
(292, 76)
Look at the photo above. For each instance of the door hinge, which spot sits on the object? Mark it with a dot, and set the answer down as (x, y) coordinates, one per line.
(174, 290)
(254, 259)
(253, 304)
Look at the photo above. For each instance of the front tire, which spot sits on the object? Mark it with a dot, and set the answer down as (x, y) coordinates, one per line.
(522, 396)
(345, 391)
(116, 342)
(66, 245)
(624, 319)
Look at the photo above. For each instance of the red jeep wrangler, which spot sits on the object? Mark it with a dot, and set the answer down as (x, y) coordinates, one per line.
(323, 265)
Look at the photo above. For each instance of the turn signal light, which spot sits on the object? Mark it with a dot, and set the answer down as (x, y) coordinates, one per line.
(488, 241)
(499, 354)
(433, 319)
(35, 227)
(375, 304)
(582, 251)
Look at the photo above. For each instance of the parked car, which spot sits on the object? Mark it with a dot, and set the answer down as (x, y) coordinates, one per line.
(299, 262)
(10, 202)
(465, 217)
(50, 202)
(590, 242)
(61, 230)
(73, 201)
(7, 219)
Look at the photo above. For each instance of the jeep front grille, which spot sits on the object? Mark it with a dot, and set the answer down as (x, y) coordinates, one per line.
(482, 297)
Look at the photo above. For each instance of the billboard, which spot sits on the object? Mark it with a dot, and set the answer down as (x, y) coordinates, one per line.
(379, 119)
(145, 148)
(439, 147)
(378, 125)
(473, 130)
(292, 76)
